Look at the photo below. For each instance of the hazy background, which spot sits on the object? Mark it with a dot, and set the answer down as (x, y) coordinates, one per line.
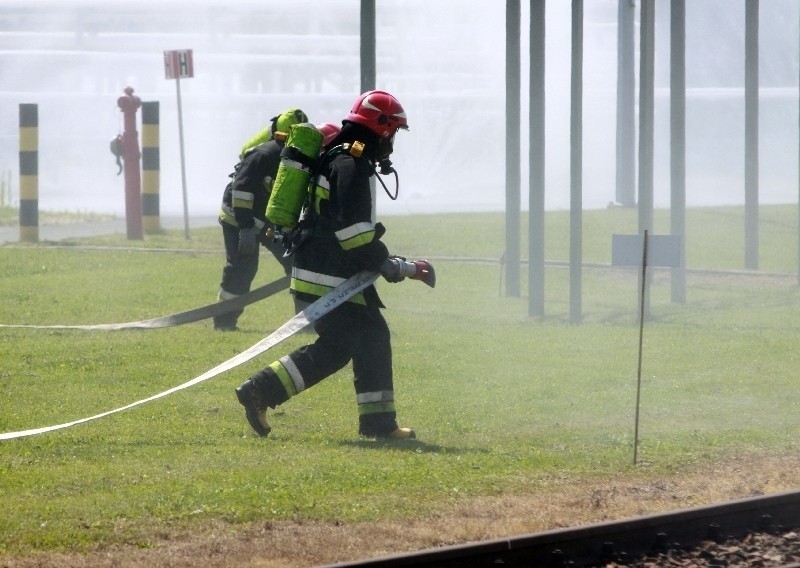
(443, 59)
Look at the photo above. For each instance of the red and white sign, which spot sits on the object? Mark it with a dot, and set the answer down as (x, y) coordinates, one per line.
(178, 64)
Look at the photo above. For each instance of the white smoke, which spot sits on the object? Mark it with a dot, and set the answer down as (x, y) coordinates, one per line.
(444, 60)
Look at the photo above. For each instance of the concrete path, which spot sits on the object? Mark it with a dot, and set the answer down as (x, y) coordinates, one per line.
(73, 230)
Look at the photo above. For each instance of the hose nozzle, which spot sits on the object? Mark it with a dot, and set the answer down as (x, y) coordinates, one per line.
(419, 270)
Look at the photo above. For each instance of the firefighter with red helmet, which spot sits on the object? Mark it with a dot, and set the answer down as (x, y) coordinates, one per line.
(329, 132)
(242, 216)
(343, 240)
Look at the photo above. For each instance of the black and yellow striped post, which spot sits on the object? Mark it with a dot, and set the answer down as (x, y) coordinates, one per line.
(151, 169)
(29, 172)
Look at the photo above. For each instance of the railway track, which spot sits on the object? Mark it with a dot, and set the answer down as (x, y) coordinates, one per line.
(616, 543)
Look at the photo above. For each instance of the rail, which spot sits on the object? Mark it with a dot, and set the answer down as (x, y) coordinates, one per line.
(598, 544)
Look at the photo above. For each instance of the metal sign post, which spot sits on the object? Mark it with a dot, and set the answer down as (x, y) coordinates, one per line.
(643, 251)
(178, 64)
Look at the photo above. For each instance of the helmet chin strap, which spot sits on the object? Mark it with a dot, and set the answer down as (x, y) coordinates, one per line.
(386, 168)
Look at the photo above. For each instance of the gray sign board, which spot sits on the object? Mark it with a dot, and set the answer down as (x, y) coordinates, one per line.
(662, 250)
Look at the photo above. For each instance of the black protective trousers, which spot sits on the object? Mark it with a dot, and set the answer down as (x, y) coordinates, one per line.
(240, 270)
(351, 332)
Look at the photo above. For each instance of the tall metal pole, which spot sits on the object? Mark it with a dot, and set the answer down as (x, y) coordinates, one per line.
(513, 105)
(751, 135)
(368, 68)
(646, 111)
(626, 104)
(368, 43)
(576, 165)
(646, 128)
(677, 119)
(536, 160)
(183, 162)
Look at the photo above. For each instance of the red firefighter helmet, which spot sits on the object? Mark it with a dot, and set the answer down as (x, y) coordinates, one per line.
(380, 112)
(329, 131)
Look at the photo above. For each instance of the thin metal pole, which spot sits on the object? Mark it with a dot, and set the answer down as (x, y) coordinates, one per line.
(751, 136)
(183, 162)
(513, 175)
(536, 157)
(677, 121)
(646, 95)
(368, 70)
(626, 104)
(368, 43)
(641, 341)
(646, 120)
(576, 165)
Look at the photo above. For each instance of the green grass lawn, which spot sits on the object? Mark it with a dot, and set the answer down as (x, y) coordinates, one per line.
(501, 402)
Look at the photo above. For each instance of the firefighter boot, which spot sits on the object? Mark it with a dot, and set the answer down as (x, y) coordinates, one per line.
(383, 426)
(400, 434)
(224, 323)
(227, 321)
(255, 408)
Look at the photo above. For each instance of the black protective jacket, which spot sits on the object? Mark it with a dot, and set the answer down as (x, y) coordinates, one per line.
(244, 202)
(343, 240)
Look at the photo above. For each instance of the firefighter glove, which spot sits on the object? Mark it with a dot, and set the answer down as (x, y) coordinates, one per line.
(248, 241)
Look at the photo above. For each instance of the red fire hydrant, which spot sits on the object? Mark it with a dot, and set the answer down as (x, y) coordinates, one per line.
(129, 104)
